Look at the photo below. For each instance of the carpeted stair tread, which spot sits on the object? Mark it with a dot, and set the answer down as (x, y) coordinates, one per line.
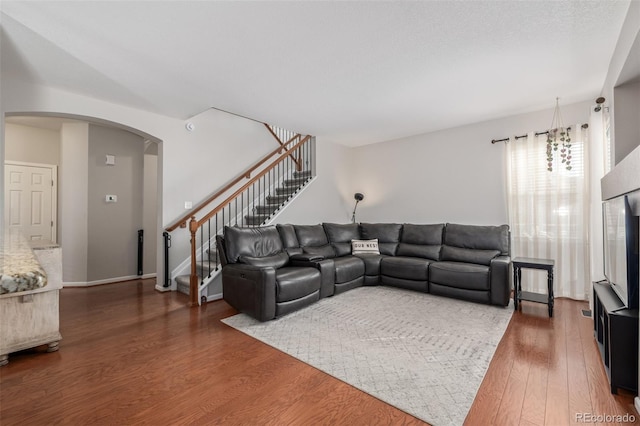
(184, 283)
(205, 266)
(266, 209)
(256, 219)
(303, 173)
(277, 199)
(289, 190)
(296, 181)
(213, 254)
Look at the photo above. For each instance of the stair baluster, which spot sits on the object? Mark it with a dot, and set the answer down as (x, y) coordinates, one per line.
(266, 193)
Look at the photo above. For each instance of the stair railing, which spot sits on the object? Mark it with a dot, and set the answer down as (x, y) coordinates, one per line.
(252, 204)
(247, 200)
(183, 220)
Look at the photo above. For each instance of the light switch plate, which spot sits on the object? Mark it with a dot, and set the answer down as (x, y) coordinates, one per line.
(188, 205)
(111, 160)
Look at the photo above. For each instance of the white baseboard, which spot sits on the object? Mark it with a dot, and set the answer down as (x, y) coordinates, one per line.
(107, 281)
(213, 297)
(163, 289)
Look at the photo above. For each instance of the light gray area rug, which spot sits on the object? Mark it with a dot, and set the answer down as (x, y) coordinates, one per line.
(424, 354)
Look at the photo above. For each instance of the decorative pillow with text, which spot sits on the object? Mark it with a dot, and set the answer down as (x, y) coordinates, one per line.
(365, 247)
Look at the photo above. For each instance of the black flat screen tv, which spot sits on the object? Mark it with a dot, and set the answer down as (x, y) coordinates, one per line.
(621, 252)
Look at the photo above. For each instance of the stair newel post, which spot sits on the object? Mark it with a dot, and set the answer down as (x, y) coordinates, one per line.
(193, 279)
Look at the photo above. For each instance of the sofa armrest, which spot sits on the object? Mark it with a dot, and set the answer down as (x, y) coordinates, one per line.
(327, 273)
(500, 280)
(250, 289)
(306, 257)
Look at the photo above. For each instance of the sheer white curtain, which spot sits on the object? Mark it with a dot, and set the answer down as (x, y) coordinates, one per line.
(549, 212)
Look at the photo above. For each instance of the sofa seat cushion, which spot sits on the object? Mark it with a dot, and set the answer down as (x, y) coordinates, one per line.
(410, 268)
(371, 262)
(348, 268)
(460, 275)
(294, 282)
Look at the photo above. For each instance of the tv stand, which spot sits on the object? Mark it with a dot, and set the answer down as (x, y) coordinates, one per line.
(616, 332)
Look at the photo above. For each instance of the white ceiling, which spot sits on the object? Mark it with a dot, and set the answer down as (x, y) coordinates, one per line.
(354, 72)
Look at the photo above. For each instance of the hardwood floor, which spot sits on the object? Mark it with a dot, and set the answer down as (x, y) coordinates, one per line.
(131, 355)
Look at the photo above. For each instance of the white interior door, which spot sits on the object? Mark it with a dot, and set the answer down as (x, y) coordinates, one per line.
(30, 200)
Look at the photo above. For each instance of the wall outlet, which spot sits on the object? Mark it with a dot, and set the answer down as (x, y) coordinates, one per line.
(111, 198)
(188, 205)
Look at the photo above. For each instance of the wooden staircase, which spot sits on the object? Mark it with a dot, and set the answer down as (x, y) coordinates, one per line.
(279, 177)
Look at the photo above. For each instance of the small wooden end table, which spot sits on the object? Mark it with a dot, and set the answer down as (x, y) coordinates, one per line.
(519, 295)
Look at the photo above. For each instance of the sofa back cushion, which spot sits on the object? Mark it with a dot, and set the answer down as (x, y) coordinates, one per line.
(251, 242)
(388, 235)
(341, 235)
(275, 260)
(289, 239)
(423, 241)
(457, 254)
(478, 237)
(313, 240)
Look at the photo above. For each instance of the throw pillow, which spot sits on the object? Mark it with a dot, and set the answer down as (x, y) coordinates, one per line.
(365, 247)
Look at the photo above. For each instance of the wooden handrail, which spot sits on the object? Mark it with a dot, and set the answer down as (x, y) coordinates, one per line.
(251, 182)
(284, 144)
(182, 221)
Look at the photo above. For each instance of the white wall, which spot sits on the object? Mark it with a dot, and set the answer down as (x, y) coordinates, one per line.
(191, 164)
(627, 117)
(73, 191)
(113, 227)
(31, 144)
(624, 67)
(454, 175)
(329, 197)
(149, 211)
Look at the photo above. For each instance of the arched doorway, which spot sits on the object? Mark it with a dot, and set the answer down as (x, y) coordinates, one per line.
(108, 189)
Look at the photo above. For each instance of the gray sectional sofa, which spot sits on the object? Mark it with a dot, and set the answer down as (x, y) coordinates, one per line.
(270, 271)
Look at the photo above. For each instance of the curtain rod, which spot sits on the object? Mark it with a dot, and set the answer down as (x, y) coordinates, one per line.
(546, 132)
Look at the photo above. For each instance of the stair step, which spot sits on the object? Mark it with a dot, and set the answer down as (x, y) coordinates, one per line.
(277, 199)
(286, 190)
(256, 219)
(266, 209)
(303, 173)
(183, 282)
(212, 254)
(205, 267)
(296, 181)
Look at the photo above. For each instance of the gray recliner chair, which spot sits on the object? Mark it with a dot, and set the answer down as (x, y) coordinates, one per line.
(258, 276)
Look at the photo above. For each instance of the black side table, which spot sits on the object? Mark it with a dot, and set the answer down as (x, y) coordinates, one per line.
(519, 295)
